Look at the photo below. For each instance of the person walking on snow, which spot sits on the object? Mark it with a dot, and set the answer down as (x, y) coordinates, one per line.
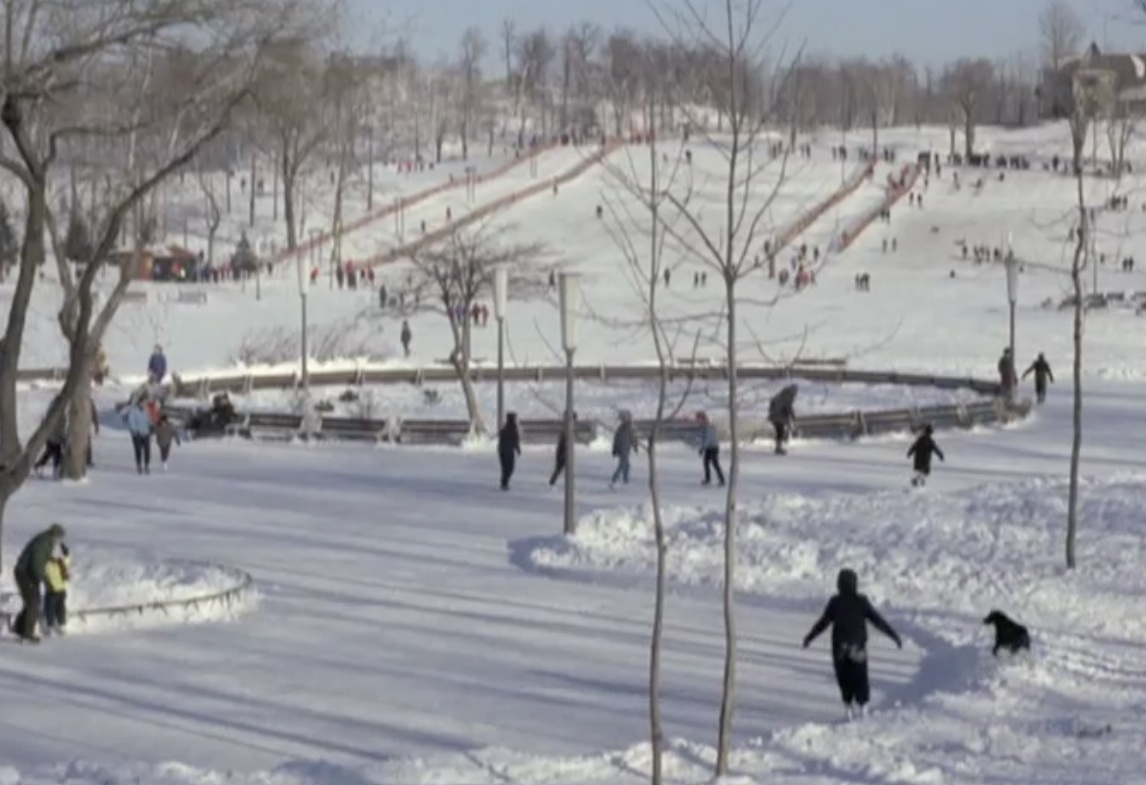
(782, 414)
(405, 337)
(508, 448)
(922, 450)
(140, 427)
(848, 614)
(624, 445)
(559, 466)
(165, 434)
(31, 566)
(1042, 371)
(157, 365)
(709, 449)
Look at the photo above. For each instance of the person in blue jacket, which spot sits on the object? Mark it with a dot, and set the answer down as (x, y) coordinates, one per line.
(157, 365)
(709, 449)
(139, 425)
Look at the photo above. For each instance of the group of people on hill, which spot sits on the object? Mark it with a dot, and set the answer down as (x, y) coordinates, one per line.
(42, 573)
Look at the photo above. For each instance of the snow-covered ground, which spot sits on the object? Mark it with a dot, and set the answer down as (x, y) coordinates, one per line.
(416, 625)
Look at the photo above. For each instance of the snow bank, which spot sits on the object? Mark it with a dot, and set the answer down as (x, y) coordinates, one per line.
(104, 579)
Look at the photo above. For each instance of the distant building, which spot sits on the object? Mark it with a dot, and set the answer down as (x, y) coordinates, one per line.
(1127, 71)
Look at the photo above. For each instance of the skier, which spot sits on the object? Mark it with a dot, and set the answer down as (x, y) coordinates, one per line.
(559, 466)
(508, 448)
(1042, 371)
(848, 614)
(922, 450)
(709, 449)
(624, 444)
(782, 415)
(1007, 374)
(30, 569)
(405, 337)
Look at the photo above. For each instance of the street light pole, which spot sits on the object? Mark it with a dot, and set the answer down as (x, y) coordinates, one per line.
(500, 294)
(1012, 267)
(570, 304)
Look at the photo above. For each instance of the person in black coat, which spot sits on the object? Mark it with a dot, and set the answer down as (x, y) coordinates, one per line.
(848, 614)
(782, 413)
(1042, 371)
(922, 450)
(559, 465)
(508, 448)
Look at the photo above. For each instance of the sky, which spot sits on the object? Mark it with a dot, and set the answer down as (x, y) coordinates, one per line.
(929, 32)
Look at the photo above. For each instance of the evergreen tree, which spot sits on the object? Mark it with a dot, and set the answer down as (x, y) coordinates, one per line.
(78, 241)
(244, 258)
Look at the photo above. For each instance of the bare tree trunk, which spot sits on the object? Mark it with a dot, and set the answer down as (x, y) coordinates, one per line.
(461, 363)
(728, 691)
(1085, 229)
(289, 175)
(656, 734)
(79, 426)
(251, 207)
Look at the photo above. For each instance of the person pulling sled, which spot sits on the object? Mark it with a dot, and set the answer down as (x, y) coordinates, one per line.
(922, 450)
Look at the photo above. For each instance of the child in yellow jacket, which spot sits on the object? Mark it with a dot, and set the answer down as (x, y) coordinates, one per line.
(56, 576)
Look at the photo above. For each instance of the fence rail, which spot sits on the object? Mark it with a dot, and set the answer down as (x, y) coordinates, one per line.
(994, 409)
(228, 597)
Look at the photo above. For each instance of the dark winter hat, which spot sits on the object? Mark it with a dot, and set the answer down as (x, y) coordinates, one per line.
(847, 582)
(929, 429)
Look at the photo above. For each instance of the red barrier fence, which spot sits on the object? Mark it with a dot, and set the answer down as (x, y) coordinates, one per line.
(909, 175)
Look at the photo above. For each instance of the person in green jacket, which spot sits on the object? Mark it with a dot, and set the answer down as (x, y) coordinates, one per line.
(30, 568)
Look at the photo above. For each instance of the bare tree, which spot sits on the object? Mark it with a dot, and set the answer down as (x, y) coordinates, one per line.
(1062, 31)
(473, 52)
(452, 277)
(291, 98)
(751, 180)
(1093, 97)
(967, 84)
(75, 62)
(642, 242)
(1121, 125)
(213, 214)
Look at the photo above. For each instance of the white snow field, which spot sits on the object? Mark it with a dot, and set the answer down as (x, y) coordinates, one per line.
(414, 625)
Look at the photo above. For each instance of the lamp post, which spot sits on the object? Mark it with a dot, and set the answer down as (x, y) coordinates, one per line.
(570, 304)
(1012, 267)
(500, 293)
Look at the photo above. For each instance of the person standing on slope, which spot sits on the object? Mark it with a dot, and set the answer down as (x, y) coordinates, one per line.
(848, 614)
(157, 365)
(624, 445)
(1042, 371)
(709, 449)
(30, 571)
(922, 450)
(508, 448)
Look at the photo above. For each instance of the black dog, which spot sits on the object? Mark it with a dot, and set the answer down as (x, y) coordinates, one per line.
(1009, 634)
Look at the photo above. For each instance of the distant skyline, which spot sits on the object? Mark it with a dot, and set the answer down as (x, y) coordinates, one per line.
(928, 32)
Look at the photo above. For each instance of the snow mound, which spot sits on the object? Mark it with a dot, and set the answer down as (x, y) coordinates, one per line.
(141, 594)
(945, 557)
